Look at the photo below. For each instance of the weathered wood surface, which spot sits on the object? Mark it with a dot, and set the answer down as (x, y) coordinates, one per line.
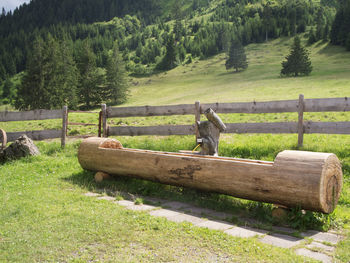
(64, 126)
(151, 130)
(35, 135)
(301, 108)
(311, 105)
(30, 115)
(310, 180)
(269, 127)
(143, 111)
(327, 127)
(104, 120)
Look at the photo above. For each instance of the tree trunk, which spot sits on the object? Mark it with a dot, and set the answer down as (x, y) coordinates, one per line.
(296, 178)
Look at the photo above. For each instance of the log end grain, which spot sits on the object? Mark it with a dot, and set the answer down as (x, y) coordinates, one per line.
(331, 184)
(100, 176)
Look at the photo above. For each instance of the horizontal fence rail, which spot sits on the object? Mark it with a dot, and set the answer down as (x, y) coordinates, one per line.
(7, 116)
(300, 127)
(30, 115)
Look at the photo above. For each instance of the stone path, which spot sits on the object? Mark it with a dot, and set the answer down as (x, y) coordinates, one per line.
(313, 244)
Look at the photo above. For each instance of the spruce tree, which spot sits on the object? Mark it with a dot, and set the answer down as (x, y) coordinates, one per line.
(236, 58)
(91, 79)
(50, 78)
(116, 75)
(297, 62)
(168, 61)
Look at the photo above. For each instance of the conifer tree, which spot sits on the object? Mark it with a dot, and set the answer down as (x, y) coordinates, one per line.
(116, 75)
(297, 62)
(50, 78)
(91, 79)
(168, 61)
(237, 58)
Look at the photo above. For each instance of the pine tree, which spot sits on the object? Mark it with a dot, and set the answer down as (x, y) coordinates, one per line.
(50, 78)
(168, 61)
(117, 83)
(237, 58)
(298, 61)
(91, 80)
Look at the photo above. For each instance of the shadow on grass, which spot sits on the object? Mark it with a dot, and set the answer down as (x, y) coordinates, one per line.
(241, 212)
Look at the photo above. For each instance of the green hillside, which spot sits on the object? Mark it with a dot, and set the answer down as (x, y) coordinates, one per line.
(209, 81)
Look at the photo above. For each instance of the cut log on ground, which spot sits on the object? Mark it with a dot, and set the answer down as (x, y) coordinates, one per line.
(309, 180)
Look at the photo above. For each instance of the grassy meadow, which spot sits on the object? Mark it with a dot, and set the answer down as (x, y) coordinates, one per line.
(45, 217)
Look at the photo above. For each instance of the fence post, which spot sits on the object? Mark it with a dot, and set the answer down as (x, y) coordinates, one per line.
(301, 107)
(64, 126)
(104, 120)
(197, 115)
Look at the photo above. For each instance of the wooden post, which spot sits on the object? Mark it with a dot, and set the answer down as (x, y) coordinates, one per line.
(64, 126)
(104, 120)
(100, 124)
(197, 115)
(301, 107)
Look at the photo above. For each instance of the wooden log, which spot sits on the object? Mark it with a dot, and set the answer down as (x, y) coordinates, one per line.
(100, 176)
(341, 127)
(296, 178)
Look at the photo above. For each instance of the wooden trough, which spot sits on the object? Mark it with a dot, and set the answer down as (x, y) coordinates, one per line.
(310, 180)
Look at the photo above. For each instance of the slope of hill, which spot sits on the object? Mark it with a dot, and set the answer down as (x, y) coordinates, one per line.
(208, 80)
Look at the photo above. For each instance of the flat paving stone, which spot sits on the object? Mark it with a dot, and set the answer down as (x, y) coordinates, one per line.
(193, 210)
(91, 194)
(141, 207)
(125, 203)
(215, 225)
(317, 245)
(186, 218)
(154, 200)
(315, 255)
(279, 240)
(108, 198)
(164, 213)
(175, 205)
(245, 232)
(322, 236)
(218, 215)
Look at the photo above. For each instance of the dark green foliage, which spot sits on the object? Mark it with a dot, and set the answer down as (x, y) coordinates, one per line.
(312, 37)
(341, 25)
(8, 92)
(169, 60)
(237, 58)
(50, 79)
(91, 79)
(348, 42)
(116, 76)
(297, 62)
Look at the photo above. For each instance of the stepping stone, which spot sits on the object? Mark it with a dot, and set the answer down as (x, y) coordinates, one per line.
(91, 194)
(315, 255)
(141, 207)
(197, 211)
(317, 245)
(186, 218)
(108, 198)
(279, 240)
(322, 236)
(125, 203)
(245, 232)
(154, 200)
(176, 205)
(164, 213)
(218, 215)
(215, 225)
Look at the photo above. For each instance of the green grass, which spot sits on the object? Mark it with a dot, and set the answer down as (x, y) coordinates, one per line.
(45, 217)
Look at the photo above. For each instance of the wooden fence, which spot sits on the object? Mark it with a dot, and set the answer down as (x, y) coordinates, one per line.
(37, 115)
(300, 127)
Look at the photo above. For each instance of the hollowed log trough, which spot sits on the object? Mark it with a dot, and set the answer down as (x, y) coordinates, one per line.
(309, 180)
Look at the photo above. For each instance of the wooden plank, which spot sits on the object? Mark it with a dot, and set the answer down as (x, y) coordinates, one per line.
(301, 107)
(143, 111)
(330, 104)
(272, 127)
(152, 130)
(253, 107)
(104, 120)
(35, 135)
(30, 115)
(197, 117)
(327, 127)
(64, 126)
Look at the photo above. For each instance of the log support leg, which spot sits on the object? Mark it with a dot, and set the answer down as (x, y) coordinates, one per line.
(100, 176)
